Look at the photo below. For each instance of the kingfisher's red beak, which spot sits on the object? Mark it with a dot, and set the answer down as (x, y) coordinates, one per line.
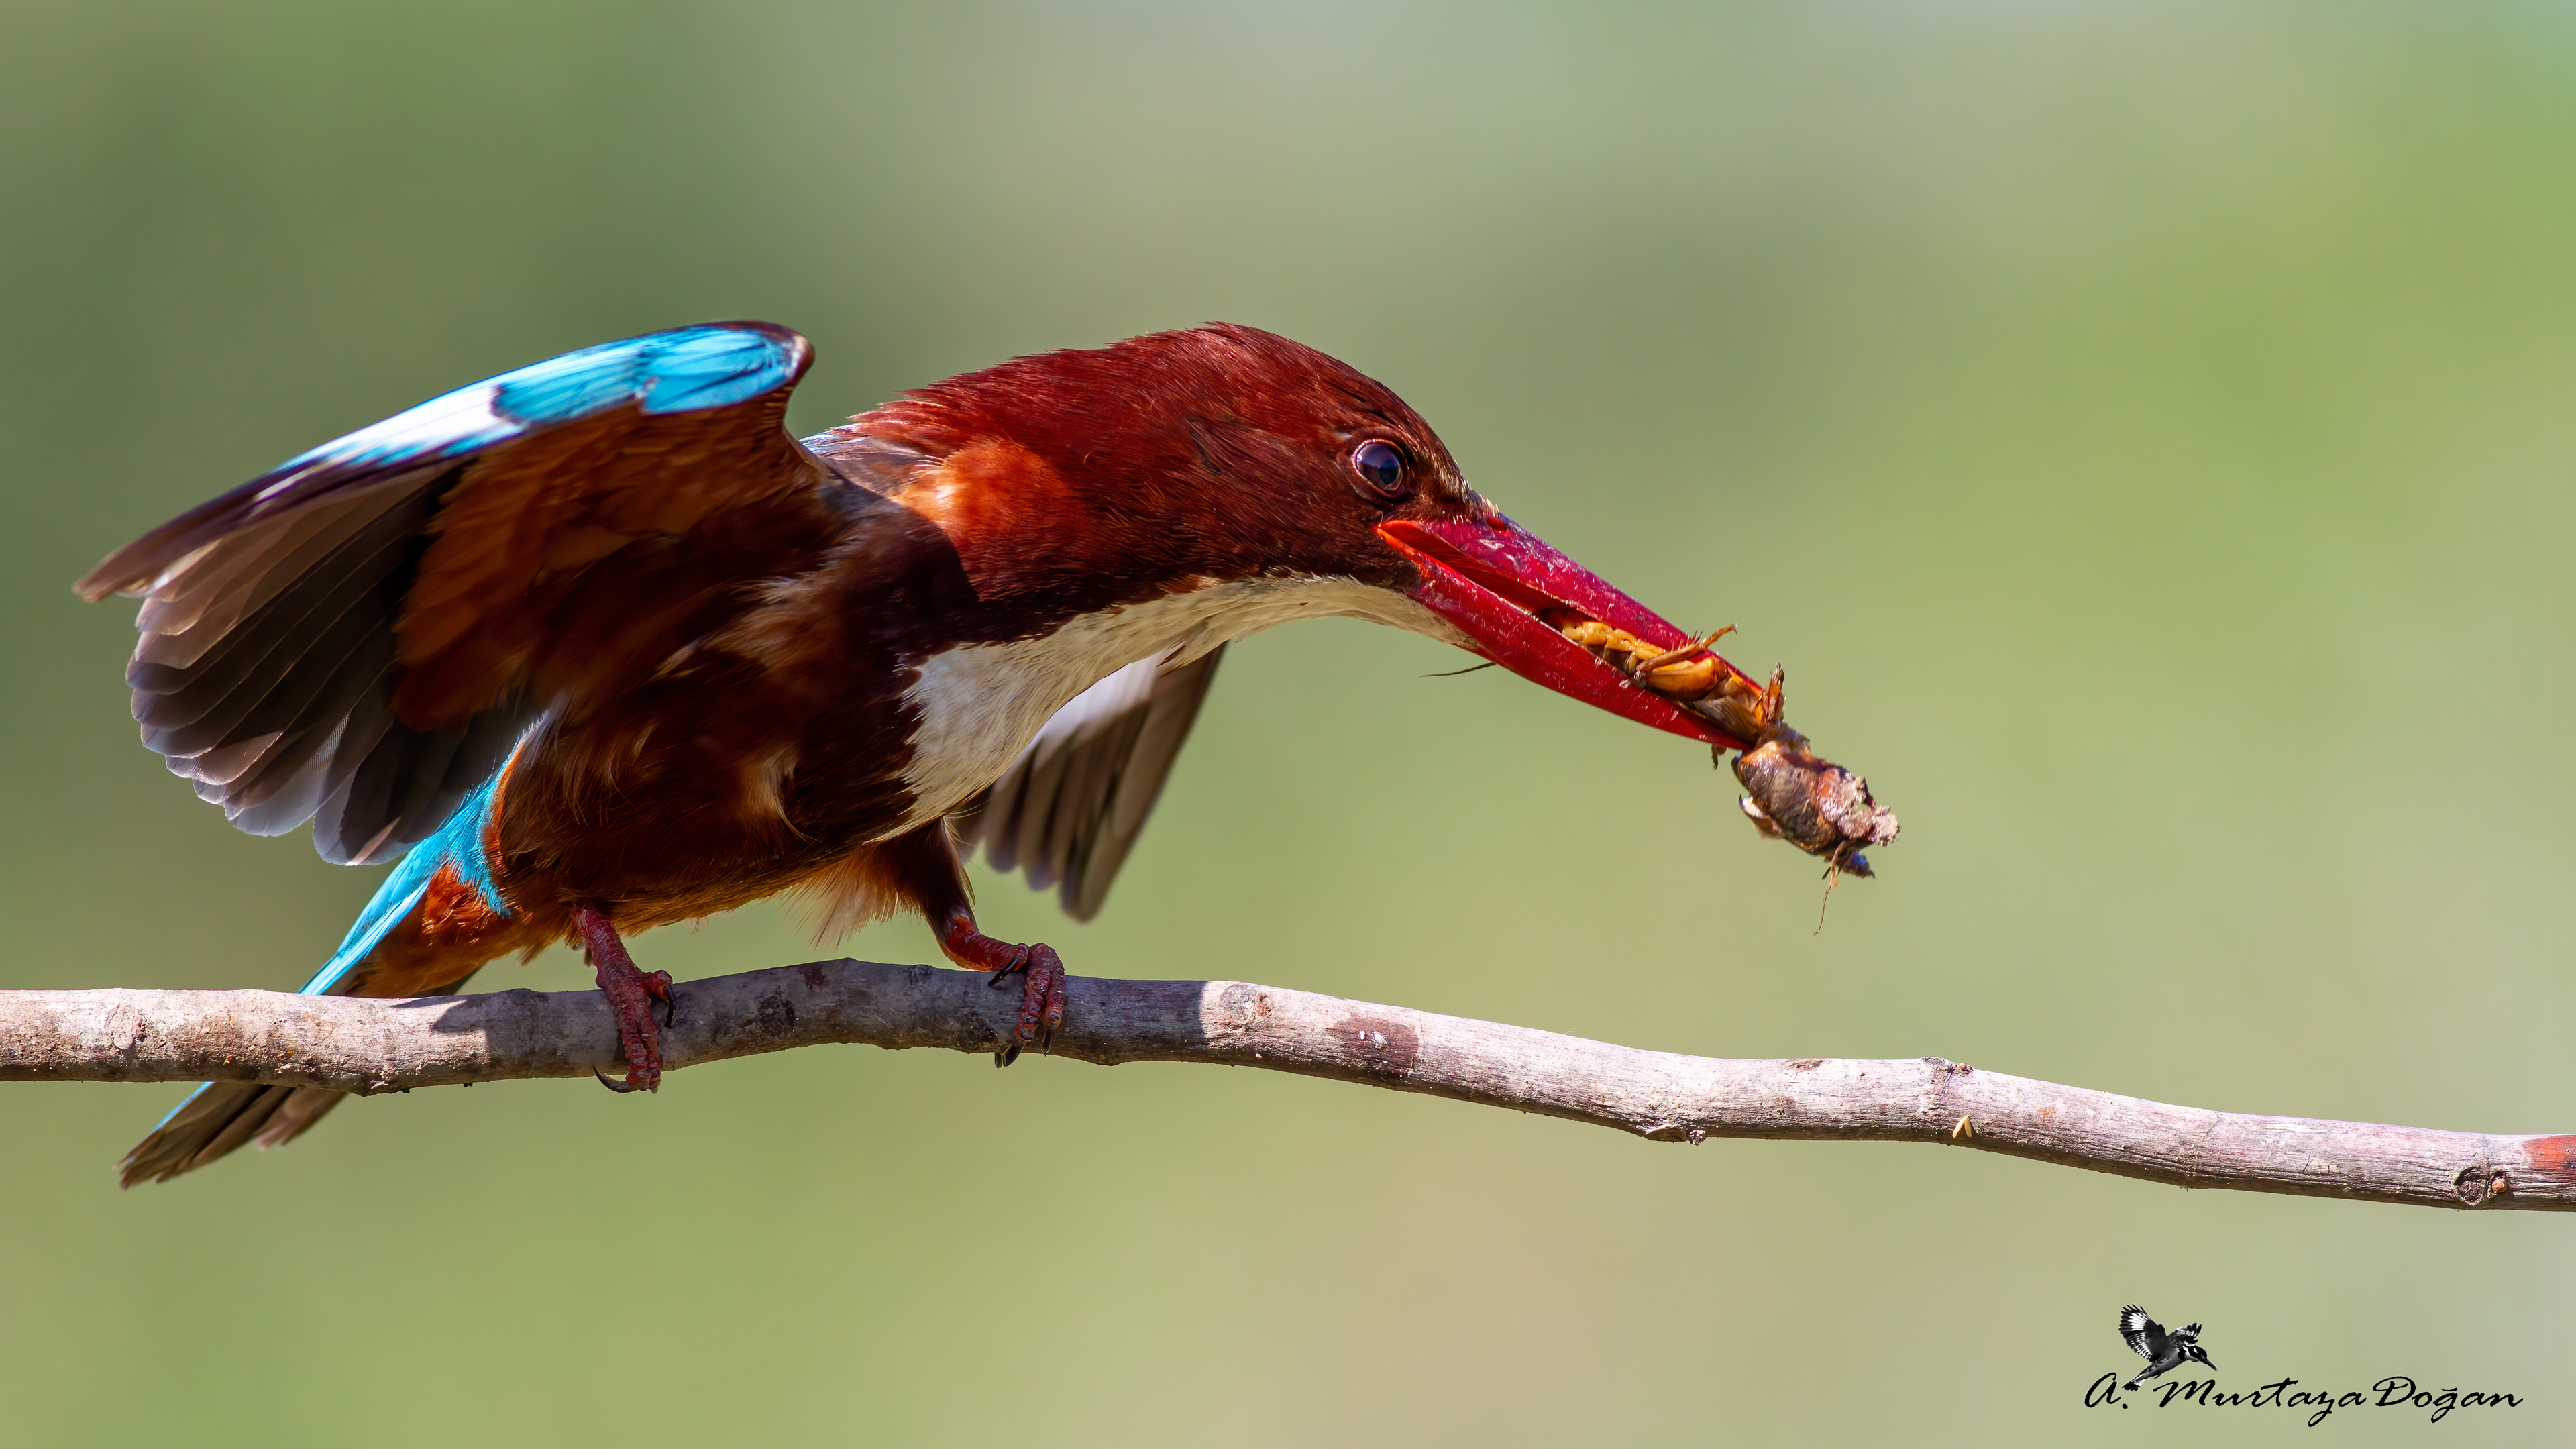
(1511, 595)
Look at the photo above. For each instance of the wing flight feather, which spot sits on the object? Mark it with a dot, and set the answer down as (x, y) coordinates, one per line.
(1071, 806)
(358, 636)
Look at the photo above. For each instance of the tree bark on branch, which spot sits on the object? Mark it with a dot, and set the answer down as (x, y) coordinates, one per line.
(371, 1046)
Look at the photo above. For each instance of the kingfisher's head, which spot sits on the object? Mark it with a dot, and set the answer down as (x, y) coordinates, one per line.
(1182, 460)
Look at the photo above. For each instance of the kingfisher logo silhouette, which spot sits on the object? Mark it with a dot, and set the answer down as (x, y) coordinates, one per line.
(2164, 1349)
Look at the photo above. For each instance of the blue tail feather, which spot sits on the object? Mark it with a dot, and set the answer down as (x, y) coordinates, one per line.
(220, 1116)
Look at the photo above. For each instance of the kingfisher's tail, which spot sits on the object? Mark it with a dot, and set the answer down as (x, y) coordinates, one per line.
(221, 1116)
(218, 1117)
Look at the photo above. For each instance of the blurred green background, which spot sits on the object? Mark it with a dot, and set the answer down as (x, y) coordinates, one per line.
(2144, 430)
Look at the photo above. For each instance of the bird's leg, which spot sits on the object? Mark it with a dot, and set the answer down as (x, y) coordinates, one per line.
(1042, 980)
(631, 993)
(922, 868)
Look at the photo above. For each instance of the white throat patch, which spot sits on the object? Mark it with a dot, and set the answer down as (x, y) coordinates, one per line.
(981, 704)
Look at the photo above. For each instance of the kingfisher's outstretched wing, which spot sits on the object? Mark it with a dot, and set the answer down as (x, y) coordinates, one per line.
(1070, 807)
(2140, 1331)
(360, 635)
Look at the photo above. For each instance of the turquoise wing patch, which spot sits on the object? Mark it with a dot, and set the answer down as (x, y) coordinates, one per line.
(683, 370)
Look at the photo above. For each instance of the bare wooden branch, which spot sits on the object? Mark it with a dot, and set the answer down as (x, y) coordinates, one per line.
(373, 1046)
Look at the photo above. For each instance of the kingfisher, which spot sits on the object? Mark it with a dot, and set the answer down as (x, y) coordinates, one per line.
(2164, 1349)
(598, 645)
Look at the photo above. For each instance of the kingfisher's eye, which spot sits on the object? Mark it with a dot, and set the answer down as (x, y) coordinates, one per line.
(1380, 466)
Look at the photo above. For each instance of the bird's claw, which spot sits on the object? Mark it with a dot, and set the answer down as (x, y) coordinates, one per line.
(617, 1086)
(1041, 1001)
(630, 994)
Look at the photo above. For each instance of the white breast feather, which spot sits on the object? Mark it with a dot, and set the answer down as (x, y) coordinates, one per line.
(982, 704)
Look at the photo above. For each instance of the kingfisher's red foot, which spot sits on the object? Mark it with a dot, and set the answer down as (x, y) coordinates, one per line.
(631, 993)
(1041, 1001)
(1042, 983)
